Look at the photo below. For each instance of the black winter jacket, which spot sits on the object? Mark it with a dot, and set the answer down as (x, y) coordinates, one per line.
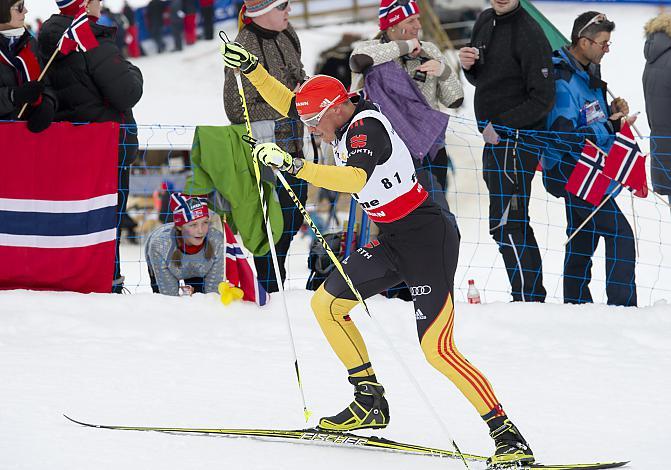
(9, 77)
(513, 80)
(94, 86)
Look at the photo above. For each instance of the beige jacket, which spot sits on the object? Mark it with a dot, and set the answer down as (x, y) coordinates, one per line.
(445, 89)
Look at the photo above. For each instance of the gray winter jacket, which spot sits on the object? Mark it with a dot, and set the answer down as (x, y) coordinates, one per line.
(657, 90)
(159, 249)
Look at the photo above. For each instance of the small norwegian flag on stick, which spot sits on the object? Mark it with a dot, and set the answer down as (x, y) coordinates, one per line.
(625, 163)
(78, 36)
(587, 180)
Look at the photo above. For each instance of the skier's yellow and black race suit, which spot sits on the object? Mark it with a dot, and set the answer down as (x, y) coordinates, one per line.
(417, 244)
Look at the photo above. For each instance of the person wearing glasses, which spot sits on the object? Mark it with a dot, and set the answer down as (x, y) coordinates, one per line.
(267, 34)
(398, 41)
(20, 68)
(98, 85)
(582, 113)
(417, 244)
(509, 61)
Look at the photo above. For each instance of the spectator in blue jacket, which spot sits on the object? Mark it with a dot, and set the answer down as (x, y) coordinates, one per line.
(582, 113)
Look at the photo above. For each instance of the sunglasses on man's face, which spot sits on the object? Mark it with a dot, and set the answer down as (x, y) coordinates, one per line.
(282, 6)
(314, 120)
(20, 7)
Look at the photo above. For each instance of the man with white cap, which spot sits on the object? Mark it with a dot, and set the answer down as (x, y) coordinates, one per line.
(266, 33)
(417, 244)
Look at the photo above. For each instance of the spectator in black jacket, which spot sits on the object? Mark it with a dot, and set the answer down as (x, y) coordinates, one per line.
(510, 65)
(19, 70)
(96, 86)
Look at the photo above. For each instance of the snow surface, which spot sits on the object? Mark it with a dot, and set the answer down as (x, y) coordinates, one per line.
(583, 383)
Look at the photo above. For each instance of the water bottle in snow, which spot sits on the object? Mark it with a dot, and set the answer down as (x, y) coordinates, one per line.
(473, 295)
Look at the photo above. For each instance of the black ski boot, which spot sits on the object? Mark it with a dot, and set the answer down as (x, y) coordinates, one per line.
(511, 448)
(368, 410)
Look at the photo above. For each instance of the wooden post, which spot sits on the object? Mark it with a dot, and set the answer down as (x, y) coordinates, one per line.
(306, 14)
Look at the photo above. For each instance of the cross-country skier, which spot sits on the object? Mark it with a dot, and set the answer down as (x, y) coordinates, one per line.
(417, 244)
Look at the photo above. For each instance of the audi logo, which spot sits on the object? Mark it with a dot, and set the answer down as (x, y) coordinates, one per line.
(420, 290)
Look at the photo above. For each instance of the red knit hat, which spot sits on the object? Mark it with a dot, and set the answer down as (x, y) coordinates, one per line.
(69, 7)
(319, 92)
(186, 208)
(394, 11)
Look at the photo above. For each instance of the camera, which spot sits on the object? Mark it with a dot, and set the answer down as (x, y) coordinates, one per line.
(481, 53)
(419, 75)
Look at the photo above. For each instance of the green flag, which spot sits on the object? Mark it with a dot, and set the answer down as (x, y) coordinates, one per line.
(556, 39)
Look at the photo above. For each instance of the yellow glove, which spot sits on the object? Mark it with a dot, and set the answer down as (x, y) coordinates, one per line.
(236, 56)
(271, 155)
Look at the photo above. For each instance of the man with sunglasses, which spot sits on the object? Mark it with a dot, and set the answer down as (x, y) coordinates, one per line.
(509, 63)
(582, 113)
(418, 244)
(267, 34)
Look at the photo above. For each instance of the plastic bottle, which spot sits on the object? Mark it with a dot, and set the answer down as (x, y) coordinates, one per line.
(473, 295)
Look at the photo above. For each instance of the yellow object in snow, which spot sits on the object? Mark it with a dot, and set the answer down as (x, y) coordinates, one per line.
(229, 292)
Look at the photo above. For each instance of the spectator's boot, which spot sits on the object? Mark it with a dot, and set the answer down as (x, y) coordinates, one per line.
(368, 410)
(117, 286)
(511, 448)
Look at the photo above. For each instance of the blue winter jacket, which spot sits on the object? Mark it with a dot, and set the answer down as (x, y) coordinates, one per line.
(575, 89)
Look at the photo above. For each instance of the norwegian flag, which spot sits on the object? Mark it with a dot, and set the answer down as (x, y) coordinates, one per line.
(240, 274)
(626, 164)
(587, 180)
(58, 218)
(78, 36)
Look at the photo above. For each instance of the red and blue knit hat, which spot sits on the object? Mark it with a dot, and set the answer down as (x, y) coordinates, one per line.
(394, 11)
(69, 7)
(187, 208)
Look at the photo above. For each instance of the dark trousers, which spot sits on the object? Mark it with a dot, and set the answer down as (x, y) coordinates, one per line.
(432, 175)
(610, 224)
(425, 263)
(293, 220)
(157, 35)
(208, 21)
(122, 194)
(508, 169)
(177, 29)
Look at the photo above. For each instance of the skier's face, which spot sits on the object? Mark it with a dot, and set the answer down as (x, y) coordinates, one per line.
(323, 126)
(501, 7)
(194, 232)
